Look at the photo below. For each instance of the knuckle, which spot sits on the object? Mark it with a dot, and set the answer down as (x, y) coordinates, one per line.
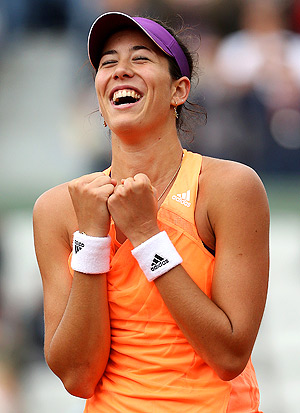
(120, 190)
(139, 176)
(73, 185)
(111, 200)
(100, 193)
(70, 186)
(128, 182)
(142, 179)
(84, 189)
(104, 178)
(107, 189)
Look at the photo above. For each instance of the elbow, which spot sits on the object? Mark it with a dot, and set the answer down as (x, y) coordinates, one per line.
(79, 377)
(78, 381)
(229, 374)
(79, 388)
(231, 368)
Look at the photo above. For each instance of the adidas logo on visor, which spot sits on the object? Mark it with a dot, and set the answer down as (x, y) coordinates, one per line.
(183, 198)
(158, 262)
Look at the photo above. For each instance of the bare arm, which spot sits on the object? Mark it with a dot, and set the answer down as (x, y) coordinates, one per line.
(77, 329)
(223, 330)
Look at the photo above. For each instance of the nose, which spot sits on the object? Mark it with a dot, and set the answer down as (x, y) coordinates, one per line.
(123, 70)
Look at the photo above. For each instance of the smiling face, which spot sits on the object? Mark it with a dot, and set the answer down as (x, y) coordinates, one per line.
(133, 84)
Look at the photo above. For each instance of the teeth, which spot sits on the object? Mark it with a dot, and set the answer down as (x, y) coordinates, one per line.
(125, 92)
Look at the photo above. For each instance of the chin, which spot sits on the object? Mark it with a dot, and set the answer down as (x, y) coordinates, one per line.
(127, 127)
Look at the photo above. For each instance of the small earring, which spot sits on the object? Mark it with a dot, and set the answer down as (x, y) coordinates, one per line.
(104, 123)
(175, 112)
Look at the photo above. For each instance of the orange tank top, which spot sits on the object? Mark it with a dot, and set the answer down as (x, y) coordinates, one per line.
(152, 367)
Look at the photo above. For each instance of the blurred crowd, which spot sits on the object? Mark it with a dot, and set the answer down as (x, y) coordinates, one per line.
(249, 64)
(249, 84)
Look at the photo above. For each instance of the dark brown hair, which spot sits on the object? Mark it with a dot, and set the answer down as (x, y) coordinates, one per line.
(188, 109)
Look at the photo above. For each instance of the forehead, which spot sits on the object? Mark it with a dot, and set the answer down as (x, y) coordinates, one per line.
(129, 38)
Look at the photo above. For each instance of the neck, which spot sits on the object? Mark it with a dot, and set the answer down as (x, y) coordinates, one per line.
(157, 157)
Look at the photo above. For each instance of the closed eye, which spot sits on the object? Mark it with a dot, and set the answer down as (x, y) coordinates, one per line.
(108, 62)
(141, 58)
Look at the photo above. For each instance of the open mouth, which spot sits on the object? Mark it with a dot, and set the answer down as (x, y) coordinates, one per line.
(125, 96)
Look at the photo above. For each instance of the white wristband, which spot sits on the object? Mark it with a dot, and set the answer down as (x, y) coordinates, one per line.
(156, 256)
(91, 255)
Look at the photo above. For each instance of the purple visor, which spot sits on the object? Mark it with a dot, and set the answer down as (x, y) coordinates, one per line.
(111, 22)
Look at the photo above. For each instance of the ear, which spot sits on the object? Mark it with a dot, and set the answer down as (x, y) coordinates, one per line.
(181, 91)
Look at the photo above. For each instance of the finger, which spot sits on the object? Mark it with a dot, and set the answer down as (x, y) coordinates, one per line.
(140, 177)
(100, 194)
(142, 182)
(84, 180)
(119, 190)
(91, 177)
(128, 183)
(111, 200)
(100, 181)
(108, 189)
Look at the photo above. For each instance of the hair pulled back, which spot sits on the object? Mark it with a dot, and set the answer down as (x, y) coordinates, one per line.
(188, 109)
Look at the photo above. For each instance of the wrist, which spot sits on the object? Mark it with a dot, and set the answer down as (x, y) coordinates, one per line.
(93, 231)
(142, 236)
(91, 255)
(156, 256)
(94, 234)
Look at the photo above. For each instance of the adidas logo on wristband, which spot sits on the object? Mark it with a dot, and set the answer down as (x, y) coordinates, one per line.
(91, 254)
(78, 246)
(153, 264)
(158, 262)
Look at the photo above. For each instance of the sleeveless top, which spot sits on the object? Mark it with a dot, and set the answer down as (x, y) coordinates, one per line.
(152, 367)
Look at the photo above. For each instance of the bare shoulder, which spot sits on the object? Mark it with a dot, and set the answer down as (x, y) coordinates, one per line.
(226, 180)
(56, 195)
(54, 209)
(228, 191)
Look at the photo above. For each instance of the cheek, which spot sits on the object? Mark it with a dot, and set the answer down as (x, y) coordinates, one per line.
(100, 83)
(99, 88)
(163, 91)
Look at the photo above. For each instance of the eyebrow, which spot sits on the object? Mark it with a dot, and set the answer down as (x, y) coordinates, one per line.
(133, 48)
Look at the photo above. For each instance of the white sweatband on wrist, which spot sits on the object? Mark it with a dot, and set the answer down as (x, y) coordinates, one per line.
(156, 256)
(91, 255)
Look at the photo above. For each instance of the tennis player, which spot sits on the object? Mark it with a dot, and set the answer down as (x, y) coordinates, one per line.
(154, 271)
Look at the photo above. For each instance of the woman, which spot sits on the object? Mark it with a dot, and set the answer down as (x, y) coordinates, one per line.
(159, 304)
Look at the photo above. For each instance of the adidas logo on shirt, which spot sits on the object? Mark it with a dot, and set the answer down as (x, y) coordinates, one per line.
(158, 262)
(78, 246)
(183, 198)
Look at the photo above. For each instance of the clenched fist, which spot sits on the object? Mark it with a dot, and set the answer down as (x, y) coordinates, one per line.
(89, 195)
(133, 207)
